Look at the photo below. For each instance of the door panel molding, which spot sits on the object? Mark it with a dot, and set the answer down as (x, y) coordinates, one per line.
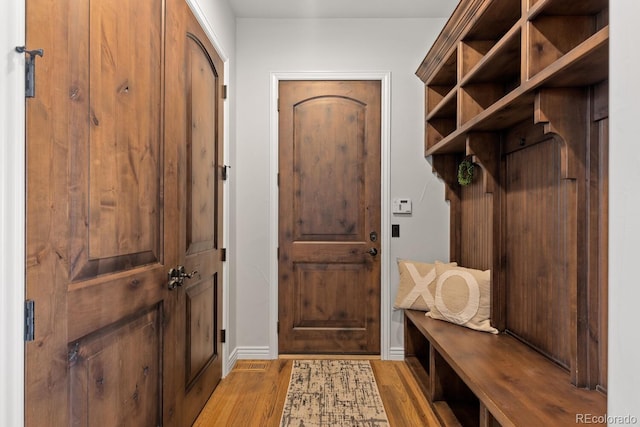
(385, 138)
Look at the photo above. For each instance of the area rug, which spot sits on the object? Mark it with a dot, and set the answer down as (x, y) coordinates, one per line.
(327, 393)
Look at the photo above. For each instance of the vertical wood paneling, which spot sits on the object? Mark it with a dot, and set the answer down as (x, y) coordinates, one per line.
(476, 240)
(537, 298)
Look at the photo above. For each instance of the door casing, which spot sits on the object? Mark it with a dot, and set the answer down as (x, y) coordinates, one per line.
(385, 232)
(12, 211)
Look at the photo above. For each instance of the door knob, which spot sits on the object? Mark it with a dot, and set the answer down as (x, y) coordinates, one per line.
(177, 275)
(372, 252)
(174, 279)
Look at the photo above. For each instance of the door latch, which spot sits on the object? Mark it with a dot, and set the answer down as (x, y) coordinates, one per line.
(30, 69)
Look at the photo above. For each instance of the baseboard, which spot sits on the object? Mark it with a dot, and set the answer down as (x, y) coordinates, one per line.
(231, 362)
(396, 353)
(257, 353)
(264, 353)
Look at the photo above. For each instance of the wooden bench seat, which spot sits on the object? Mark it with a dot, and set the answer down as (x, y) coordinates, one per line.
(476, 378)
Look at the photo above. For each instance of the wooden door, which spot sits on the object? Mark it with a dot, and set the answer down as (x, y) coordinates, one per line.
(329, 225)
(106, 180)
(198, 103)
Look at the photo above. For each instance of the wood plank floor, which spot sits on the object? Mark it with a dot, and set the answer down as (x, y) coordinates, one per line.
(253, 394)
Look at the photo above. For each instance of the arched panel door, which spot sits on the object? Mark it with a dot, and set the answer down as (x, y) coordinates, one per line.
(329, 209)
(195, 102)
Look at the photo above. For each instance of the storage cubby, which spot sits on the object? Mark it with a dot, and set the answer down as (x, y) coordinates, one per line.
(567, 8)
(454, 399)
(500, 64)
(551, 37)
(498, 19)
(435, 94)
(476, 98)
(437, 129)
(493, 19)
(493, 76)
(443, 81)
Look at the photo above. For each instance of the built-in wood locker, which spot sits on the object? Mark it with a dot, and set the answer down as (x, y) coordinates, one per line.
(520, 88)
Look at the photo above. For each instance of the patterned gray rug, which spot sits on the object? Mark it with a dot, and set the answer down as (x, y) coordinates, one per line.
(327, 393)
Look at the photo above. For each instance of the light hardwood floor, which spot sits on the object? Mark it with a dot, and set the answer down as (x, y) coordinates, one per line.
(253, 395)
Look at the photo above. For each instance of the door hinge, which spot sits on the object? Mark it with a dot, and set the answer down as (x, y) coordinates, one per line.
(278, 106)
(225, 91)
(223, 336)
(278, 327)
(225, 172)
(30, 69)
(278, 179)
(29, 320)
(278, 253)
(223, 254)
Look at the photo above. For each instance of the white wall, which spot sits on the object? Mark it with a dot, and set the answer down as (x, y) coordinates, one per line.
(330, 45)
(12, 198)
(624, 219)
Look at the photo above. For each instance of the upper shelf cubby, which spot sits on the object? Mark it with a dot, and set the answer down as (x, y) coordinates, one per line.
(493, 20)
(567, 7)
(443, 81)
(556, 27)
(491, 57)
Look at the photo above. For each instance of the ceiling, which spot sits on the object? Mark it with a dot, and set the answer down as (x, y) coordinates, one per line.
(343, 8)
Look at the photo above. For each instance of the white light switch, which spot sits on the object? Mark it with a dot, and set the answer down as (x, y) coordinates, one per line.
(401, 206)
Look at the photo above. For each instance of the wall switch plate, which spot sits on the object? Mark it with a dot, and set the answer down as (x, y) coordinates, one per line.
(395, 230)
(401, 206)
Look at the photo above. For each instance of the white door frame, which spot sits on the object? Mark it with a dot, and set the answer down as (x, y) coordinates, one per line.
(12, 211)
(385, 139)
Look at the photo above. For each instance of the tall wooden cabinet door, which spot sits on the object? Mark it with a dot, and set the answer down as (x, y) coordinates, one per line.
(101, 216)
(329, 209)
(195, 109)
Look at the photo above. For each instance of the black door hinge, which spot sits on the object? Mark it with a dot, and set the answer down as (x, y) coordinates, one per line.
(29, 320)
(225, 91)
(278, 327)
(223, 335)
(223, 254)
(30, 69)
(225, 172)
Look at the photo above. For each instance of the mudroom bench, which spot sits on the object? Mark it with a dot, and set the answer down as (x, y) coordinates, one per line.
(475, 378)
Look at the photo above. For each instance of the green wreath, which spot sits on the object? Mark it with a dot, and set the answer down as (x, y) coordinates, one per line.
(465, 172)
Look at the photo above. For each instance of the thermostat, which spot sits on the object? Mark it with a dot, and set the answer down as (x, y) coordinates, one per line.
(401, 206)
